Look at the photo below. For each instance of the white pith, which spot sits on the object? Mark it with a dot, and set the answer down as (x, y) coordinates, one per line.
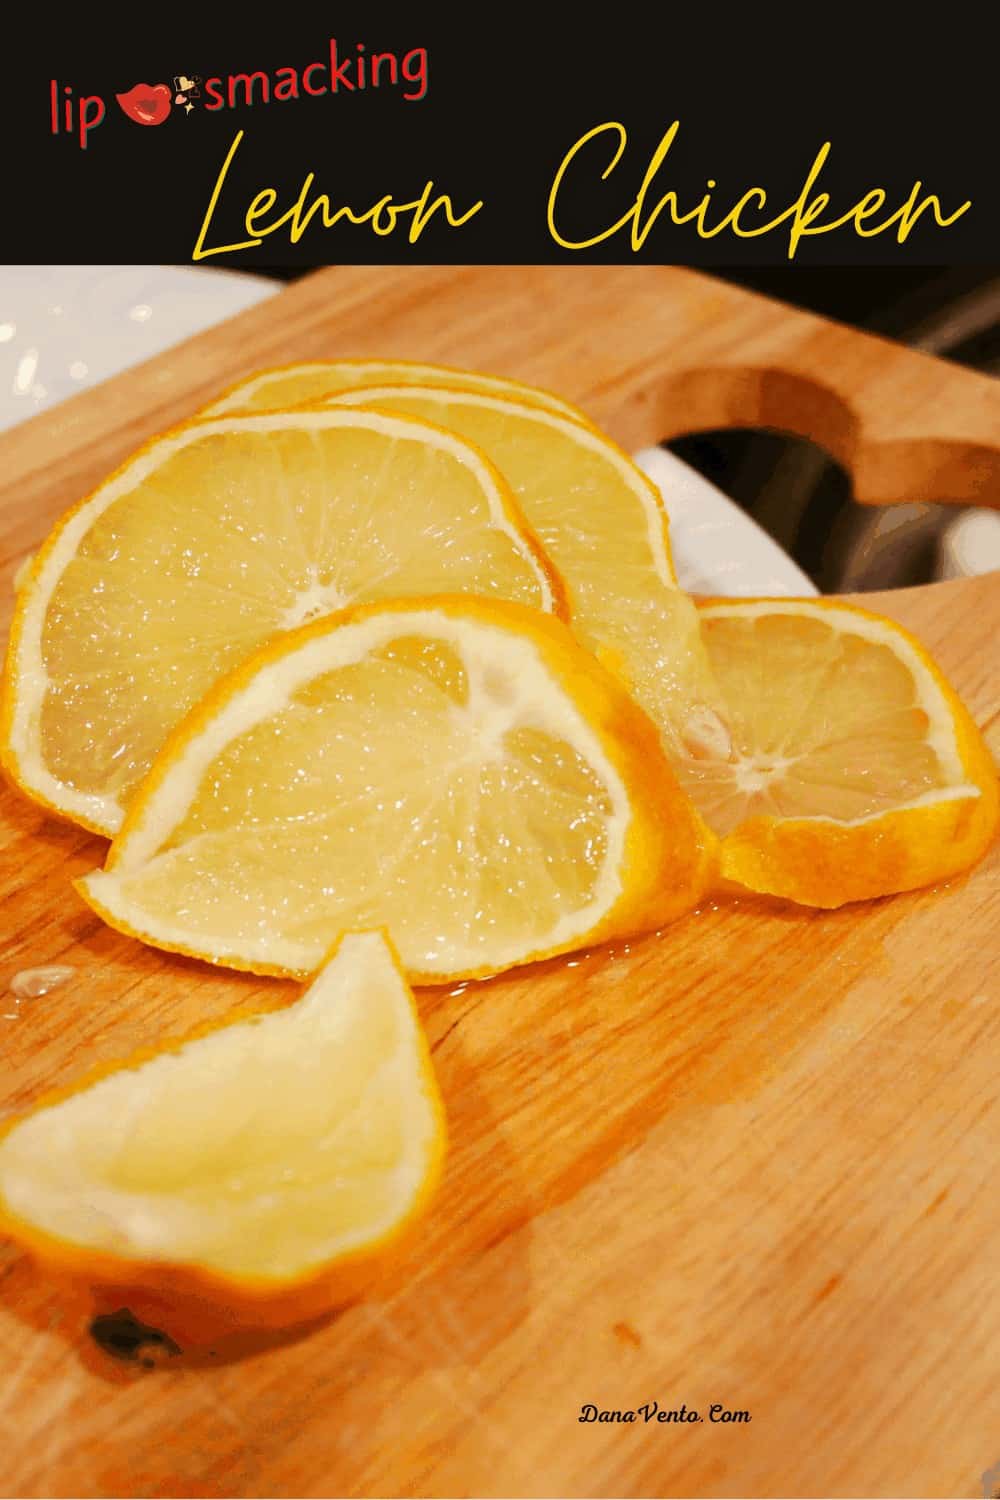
(316, 600)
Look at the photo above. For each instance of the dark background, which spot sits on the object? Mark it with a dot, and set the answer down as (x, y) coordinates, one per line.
(791, 487)
(757, 91)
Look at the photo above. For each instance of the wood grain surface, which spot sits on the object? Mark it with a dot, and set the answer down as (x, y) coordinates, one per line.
(747, 1162)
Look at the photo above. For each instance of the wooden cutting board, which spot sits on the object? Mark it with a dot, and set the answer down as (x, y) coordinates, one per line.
(747, 1163)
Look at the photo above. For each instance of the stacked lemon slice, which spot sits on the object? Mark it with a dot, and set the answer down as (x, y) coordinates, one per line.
(208, 541)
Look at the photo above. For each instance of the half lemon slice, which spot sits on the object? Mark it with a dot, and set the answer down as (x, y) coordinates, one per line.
(456, 770)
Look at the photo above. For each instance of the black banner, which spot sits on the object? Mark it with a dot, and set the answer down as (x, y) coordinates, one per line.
(366, 135)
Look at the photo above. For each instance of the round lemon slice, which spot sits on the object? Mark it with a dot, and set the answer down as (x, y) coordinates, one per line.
(456, 770)
(208, 541)
(842, 765)
(256, 1174)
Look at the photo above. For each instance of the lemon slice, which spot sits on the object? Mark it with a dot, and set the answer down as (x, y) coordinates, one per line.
(208, 541)
(264, 1168)
(312, 381)
(603, 524)
(842, 765)
(456, 770)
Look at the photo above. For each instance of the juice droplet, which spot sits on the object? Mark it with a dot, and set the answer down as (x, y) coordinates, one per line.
(29, 984)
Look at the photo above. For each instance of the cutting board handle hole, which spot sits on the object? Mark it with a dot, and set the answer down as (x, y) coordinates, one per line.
(803, 497)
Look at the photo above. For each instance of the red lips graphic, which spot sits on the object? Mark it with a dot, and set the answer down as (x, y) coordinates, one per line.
(146, 103)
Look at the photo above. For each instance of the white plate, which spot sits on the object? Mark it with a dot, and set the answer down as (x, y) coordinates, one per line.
(717, 547)
(63, 328)
(970, 545)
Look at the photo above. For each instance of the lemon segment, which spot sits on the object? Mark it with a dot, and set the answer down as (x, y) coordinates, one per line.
(256, 1158)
